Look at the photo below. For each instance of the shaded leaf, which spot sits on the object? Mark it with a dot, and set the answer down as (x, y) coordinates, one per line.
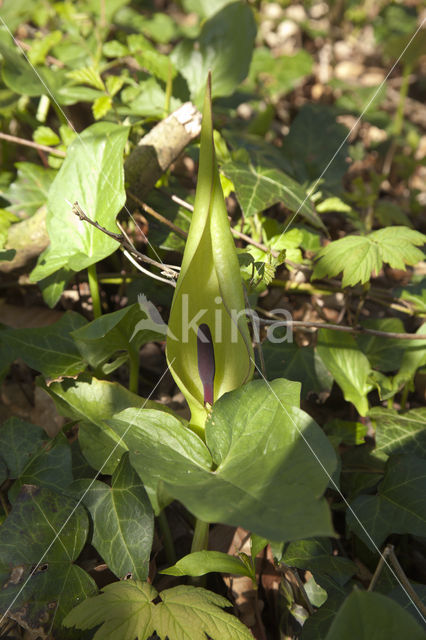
(49, 350)
(414, 357)
(317, 556)
(19, 440)
(52, 531)
(398, 507)
(384, 354)
(365, 615)
(301, 364)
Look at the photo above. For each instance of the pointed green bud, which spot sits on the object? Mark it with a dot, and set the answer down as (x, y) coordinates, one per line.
(209, 349)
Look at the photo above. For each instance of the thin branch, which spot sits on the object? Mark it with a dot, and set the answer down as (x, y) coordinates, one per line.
(389, 552)
(170, 271)
(158, 216)
(34, 145)
(338, 327)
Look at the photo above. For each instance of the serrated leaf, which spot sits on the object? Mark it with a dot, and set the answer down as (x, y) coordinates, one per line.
(30, 189)
(398, 507)
(101, 106)
(399, 434)
(366, 615)
(157, 64)
(200, 563)
(92, 173)
(347, 364)
(51, 530)
(114, 84)
(258, 188)
(123, 521)
(49, 350)
(396, 246)
(126, 610)
(87, 75)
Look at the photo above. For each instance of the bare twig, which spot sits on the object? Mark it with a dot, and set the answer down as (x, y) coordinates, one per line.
(170, 271)
(34, 145)
(389, 552)
(338, 327)
(158, 216)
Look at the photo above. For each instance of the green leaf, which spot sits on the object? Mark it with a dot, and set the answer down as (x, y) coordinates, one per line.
(46, 135)
(317, 625)
(393, 245)
(415, 293)
(366, 615)
(205, 8)
(126, 610)
(398, 507)
(399, 433)
(87, 75)
(49, 350)
(201, 562)
(49, 467)
(317, 556)
(384, 354)
(51, 530)
(414, 357)
(121, 330)
(92, 402)
(259, 441)
(17, 74)
(7, 255)
(258, 188)
(114, 84)
(123, 521)
(19, 440)
(313, 141)
(224, 47)
(349, 367)
(40, 47)
(278, 75)
(301, 364)
(30, 190)
(92, 173)
(101, 106)
(157, 64)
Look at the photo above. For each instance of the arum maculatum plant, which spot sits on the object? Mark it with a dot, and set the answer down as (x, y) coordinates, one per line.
(209, 349)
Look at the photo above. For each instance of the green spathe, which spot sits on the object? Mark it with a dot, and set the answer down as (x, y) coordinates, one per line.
(209, 291)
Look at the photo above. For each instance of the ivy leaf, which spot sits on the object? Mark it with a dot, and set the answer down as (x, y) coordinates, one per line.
(397, 246)
(398, 507)
(123, 521)
(19, 440)
(127, 610)
(51, 530)
(399, 433)
(50, 350)
(258, 188)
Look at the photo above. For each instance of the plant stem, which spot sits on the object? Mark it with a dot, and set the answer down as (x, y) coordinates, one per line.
(133, 370)
(201, 536)
(94, 290)
(404, 395)
(166, 537)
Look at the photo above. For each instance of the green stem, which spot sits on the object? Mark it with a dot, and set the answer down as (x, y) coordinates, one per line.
(166, 538)
(94, 290)
(133, 370)
(403, 91)
(404, 395)
(200, 540)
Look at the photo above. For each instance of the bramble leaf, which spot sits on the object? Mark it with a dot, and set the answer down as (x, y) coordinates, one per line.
(358, 257)
(127, 610)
